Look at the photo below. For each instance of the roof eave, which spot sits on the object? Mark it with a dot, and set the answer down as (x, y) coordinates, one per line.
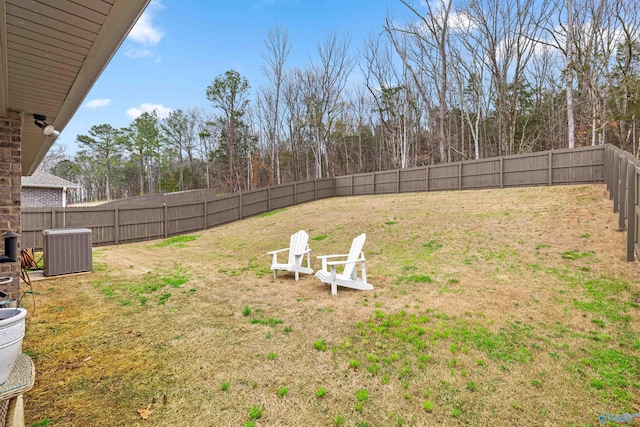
(121, 19)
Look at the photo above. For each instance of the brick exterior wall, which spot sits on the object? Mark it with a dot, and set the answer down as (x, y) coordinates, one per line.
(35, 197)
(10, 174)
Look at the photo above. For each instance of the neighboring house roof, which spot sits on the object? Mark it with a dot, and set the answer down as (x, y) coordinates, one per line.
(51, 53)
(46, 180)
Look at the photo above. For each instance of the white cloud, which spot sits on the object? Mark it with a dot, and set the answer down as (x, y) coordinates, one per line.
(147, 107)
(139, 53)
(97, 103)
(461, 21)
(144, 32)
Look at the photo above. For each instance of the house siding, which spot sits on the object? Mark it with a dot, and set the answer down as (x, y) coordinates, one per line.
(10, 186)
(34, 197)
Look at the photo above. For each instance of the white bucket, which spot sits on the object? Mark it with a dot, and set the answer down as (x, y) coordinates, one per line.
(11, 335)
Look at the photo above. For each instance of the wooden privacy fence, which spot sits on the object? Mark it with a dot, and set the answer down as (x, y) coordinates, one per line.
(622, 175)
(170, 215)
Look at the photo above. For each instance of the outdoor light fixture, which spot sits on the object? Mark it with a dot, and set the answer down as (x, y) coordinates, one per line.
(41, 122)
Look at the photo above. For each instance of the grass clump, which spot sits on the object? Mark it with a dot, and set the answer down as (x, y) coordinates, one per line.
(428, 406)
(321, 392)
(176, 241)
(320, 345)
(416, 278)
(270, 213)
(362, 395)
(145, 288)
(267, 322)
(573, 255)
(255, 413)
(246, 311)
(282, 391)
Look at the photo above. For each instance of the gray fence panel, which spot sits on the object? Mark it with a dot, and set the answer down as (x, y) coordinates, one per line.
(527, 170)
(443, 177)
(572, 167)
(137, 224)
(282, 196)
(387, 182)
(481, 174)
(184, 218)
(223, 210)
(363, 184)
(412, 180)
(306, 191)
(100, 221)
(344, 185)
(255, 202)
(325, 188)
(32, 224)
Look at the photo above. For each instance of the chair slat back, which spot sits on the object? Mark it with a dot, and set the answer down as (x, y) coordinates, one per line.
(297, 244)
(354, 253)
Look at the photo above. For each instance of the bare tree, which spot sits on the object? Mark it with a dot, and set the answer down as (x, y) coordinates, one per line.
(390, 91)
(422, 46)
(329, 79)
(277, 49)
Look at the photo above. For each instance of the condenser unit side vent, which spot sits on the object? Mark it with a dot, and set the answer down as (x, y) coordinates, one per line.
(66, 251)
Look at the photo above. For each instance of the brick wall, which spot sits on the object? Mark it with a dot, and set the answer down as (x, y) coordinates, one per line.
(38, 197)
(10, 173)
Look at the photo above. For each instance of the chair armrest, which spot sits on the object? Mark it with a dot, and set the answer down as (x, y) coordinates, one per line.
(331, 256)
(276, 251)
(361, 259)
(303, 252)
(324, 259)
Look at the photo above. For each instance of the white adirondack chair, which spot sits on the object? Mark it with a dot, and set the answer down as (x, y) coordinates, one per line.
(298, 248)
(349, 276)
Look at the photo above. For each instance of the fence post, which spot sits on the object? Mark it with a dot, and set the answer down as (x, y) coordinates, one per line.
(166, 220)
(116, 224)
(295, 194)
(374, 183)
(631, 210)
(460, 176)
(53, 218)
(606, 166)
(427, 178)
(610, 172)
(398, 181)
(501, 172)
(352, 185)
(240, 203)
(622, 193)
(616, 181)
(550, 168)
(268, 199)
(204, 220)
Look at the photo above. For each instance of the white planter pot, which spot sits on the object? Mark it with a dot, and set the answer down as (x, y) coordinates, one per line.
(11, 335)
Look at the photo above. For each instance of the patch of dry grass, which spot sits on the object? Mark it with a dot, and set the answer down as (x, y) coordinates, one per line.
(496, 307)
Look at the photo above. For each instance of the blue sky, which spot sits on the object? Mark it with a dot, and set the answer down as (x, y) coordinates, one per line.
(179, 46)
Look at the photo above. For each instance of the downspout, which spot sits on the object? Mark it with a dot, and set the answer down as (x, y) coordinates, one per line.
(64, 207)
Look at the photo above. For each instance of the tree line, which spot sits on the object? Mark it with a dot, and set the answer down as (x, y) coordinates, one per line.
(449, 81)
